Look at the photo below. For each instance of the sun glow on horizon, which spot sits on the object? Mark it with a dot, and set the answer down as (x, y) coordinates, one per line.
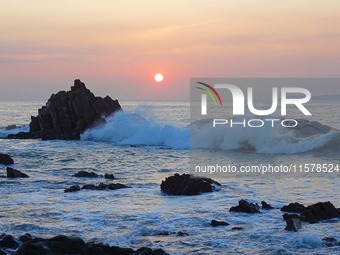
(159, 77)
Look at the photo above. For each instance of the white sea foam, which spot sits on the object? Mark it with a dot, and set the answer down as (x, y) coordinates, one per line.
(4, 132)
(267, 139)
(126, 128)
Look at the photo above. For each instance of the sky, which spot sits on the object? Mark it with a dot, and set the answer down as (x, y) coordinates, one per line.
(116, 47)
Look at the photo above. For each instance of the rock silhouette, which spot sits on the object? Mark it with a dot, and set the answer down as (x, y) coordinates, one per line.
(6, 159)
(245, 206)
(13, 173)
(293, 224)
(187, 185)
(68, 114)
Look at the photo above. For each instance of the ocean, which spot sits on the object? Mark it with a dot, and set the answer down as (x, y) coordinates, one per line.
(143, 145)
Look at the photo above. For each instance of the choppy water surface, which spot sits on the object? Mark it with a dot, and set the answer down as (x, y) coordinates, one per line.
(136, 217)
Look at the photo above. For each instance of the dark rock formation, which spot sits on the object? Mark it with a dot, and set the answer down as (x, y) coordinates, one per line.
(68, 114)
(266, 206)
(168, 233)
(11, 127)
(216, 223)
(86, 174)
(9, 242)
(187, 185)
(6, 159)
(294, 208)
(26, 237)
(73, 188)
(293, 224)
(330, 241)
(288, 216)
(60, 245)
(320, 211)
(244, 206)
(109, 176)
(101, 186)
(13, 173)
(236, 228)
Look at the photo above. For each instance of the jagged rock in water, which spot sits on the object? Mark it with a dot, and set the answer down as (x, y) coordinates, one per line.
(187, 185)
(6, 159)
(321, 211)
(13, 173)
(294, 208)
(68, 114)
(293, 224)
(245, 206)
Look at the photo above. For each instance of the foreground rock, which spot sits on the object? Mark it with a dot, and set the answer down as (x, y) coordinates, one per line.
(13, 173)
(187, 185)
(293, 224)
(85, 174)
(6, 159)
(8, 242)
(101, 186)
(68, 114)
(62, 245)
(321, 211)
(245, 206)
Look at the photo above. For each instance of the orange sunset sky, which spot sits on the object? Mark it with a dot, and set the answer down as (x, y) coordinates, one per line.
(116, 47)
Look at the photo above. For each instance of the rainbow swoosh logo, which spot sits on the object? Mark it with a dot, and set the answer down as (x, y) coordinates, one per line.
(209, 90)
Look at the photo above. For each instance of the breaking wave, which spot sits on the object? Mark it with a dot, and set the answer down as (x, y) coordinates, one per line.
(9, 130)
(126, 128)
(267, 139)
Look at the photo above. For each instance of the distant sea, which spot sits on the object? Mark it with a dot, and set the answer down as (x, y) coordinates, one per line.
(141, 146)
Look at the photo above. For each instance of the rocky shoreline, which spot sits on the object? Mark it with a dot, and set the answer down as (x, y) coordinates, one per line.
(295, 215)
(65, 245)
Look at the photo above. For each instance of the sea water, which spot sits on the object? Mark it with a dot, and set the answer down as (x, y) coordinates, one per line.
(141, 146)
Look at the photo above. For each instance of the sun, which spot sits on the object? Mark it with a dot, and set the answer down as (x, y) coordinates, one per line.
(159, 77)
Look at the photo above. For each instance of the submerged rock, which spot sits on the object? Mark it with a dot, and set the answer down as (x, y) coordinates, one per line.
(216, 223)
(86, 174)
(321, 211)
(245, 206)
(6, 159)
(68, 114)
(330, 241)
(73, 188)
(109, 176)
(13, 173)
(293, 224)
(294, 208)
(101, 186)
(187, 185)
